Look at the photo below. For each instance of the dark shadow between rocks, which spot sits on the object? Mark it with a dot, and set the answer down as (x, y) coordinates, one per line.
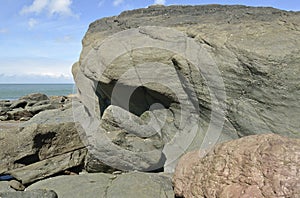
(42, 139)
(142, 99)
(29, 159)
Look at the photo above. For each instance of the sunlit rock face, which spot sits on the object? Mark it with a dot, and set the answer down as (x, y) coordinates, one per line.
(264, 165)
(155, 83)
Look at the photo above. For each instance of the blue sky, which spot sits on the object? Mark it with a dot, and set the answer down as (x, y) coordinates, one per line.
(41, 39)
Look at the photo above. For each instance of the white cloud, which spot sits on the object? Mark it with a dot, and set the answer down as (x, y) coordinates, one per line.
(162, 2)
(36, 7)
(101, 3)
(32, 22)
(60, 7)
(117, 2)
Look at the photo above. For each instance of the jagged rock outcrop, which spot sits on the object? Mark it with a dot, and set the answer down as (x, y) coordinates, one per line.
(218, 73)
(255, 166)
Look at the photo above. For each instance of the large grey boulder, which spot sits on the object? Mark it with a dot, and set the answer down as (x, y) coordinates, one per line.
(218, 73)
(130, 185)
(254, 166)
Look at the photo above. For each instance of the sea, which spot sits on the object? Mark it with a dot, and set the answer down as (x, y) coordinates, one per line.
(15, 91)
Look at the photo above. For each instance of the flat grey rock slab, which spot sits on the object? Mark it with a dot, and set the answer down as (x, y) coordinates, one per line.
(130, 185)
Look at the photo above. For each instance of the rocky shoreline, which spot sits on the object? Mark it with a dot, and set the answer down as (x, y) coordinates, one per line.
(27, 106)
(45, 157)
(147, 123)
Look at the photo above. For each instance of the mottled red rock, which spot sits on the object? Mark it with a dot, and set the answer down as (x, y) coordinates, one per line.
(254, 166)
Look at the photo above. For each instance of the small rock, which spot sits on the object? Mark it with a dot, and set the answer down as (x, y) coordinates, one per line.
(24, 119)
(16, 185)
(43, 102)
(31, 103)
(35, 97)
(4, 110)
(58, 99)
(4, 118)
(5, 103)
(19, 104)
(35, 109)
(18, 113)
(117, 173)
(67, 172)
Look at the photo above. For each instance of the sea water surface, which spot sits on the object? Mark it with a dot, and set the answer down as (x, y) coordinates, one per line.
(15, 91)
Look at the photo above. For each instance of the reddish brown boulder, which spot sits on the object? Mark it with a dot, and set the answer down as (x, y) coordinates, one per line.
(254, 166)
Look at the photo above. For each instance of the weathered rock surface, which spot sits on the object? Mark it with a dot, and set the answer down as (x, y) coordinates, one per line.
(154, 84)
(19, 104)
(5, 187)
(37, 151)
(35, 97)
(91, 185)
(29, 194)
(145, 143)
(14, 184)
(255, 166)
(48, 167)
(54, 116)
(94, 165)
(18, 113)
(35, 109)
(130, 185)
(247, 82)
(46, 145)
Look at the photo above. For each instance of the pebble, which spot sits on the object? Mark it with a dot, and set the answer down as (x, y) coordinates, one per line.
(16, 185)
